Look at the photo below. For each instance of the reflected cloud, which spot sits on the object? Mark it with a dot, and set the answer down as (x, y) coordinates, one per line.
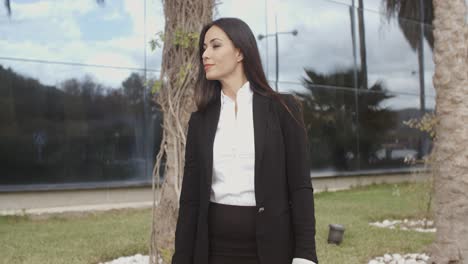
(325, 44)
(78, 32)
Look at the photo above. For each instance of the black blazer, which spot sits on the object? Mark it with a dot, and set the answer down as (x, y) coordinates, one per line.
(285, 225)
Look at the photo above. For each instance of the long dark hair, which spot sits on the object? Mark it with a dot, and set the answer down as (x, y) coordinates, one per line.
(243, 38)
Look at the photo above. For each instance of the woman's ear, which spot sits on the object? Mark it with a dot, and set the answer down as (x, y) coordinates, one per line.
(240, 56)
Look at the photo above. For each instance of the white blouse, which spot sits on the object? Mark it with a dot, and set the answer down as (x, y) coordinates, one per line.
(234, 151)
(234, 154)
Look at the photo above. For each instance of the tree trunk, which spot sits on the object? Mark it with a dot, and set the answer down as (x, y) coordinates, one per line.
(451, 144)
(184, 20)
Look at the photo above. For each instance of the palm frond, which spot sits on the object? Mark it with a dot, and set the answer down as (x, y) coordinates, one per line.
(408, 14)
(8, 7)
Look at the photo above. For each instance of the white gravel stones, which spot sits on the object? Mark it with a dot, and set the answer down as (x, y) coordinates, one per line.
(400, 259)
(136, 259)
(385, 259)
(422, 225)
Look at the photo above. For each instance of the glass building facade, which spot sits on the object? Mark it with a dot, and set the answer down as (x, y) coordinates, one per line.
(76, 111)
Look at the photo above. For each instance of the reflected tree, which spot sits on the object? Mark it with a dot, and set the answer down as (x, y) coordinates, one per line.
(134, 89)
(413, 18)
(77, 131)
(419, 10)
(331, 115)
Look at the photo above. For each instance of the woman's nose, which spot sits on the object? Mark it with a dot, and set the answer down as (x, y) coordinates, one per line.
(205, 54)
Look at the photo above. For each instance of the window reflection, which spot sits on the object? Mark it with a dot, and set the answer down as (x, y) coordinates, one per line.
(404, 10)
(79, 130)
(428, 66)
(74, 107)
(84, 32)
(399, 142)
(359, 129)
(324, 39)
(339, 113)
(74, 103)
(390, 58)
(361, 79)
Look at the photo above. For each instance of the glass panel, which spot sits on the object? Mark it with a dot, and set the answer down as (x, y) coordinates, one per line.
(406, 10)
(78, 32)
(74, 107)
(373, 5)
(313, 47)
(429, 66)
(389, 56)
(154, 25)
(385, 141)
(323, 43)
(74, 126)
(257, 20)
(346, 2)
(329, 115)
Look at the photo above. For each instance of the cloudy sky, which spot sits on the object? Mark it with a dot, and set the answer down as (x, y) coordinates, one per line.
(108, 42)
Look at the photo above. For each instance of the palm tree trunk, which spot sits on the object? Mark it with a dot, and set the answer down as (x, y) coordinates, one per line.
(184, 18)
(451, 149)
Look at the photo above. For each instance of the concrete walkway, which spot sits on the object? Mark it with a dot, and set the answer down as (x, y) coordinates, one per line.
(73, 201)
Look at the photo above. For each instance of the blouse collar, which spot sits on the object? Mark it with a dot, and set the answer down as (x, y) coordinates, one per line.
(244, 94)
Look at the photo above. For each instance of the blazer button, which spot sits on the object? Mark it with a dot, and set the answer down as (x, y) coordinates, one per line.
(261, 209)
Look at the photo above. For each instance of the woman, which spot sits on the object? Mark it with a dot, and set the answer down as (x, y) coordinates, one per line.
(246, 193)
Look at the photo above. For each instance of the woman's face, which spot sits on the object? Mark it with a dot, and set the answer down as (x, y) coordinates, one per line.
(220, 57)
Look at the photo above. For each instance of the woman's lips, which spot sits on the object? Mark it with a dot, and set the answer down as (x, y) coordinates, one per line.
(207, 66)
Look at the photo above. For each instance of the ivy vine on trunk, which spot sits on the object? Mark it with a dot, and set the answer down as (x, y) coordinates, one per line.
(174, 95)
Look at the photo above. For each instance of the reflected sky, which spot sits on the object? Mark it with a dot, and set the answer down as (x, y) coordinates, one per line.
(116, 34)
(82, 33)
(324, 43)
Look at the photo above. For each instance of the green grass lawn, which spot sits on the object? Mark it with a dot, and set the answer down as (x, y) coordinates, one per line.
(104, 236)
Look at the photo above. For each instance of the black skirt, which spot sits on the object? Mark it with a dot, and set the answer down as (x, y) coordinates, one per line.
(232, 234)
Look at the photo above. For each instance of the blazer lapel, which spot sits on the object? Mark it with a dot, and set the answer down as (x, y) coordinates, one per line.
(260, 116)
(210, 127)
(261, 111)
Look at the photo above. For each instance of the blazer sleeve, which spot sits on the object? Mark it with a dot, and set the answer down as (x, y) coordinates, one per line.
(299, 182)
(189, 201)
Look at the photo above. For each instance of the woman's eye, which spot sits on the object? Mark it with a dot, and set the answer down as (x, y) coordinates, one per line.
(216, 46)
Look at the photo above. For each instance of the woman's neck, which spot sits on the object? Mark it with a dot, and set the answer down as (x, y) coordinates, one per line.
(231, 86)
